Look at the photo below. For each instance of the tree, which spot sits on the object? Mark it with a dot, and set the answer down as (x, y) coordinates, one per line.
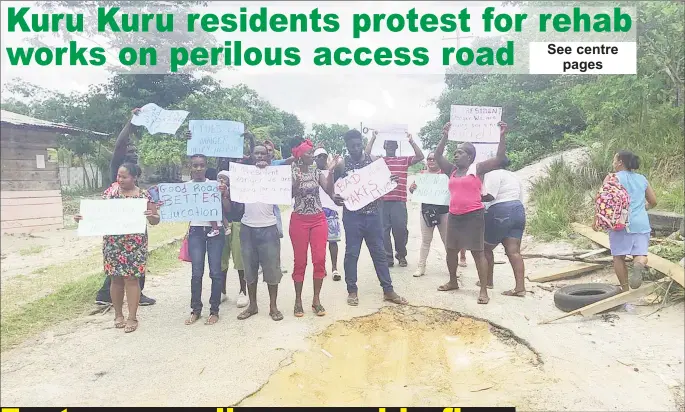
(329, 136)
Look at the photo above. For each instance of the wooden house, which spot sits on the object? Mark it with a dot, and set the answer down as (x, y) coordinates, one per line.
(30, 192)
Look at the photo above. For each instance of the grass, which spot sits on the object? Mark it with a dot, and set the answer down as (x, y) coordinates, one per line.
(33, 250)
(64, 291)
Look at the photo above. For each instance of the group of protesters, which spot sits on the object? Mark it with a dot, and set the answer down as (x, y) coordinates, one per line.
(485, 210)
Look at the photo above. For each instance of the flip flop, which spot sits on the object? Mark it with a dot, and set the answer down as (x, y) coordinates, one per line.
(398, 300)
(120, 324)
(192, 319)
(489, 287)
(353, 301)
(246, 314)
(212, 319)
(319, 310)
(276, 315)
(519, 293)
(131, 328)
(483, 300)
(447, 287)
(298, 311)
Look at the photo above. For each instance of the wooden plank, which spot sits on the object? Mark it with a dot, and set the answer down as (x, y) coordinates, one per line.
(670, 269)
(611, 302)
(22, 154)
(23, 136)
(22, 201)
(566, 272)
(29, 194)
(593, 253)
(29, 175)
(31, 229)
(26, 223)
(22, 212)
(27, 145)
(26, 164)
(25, 185)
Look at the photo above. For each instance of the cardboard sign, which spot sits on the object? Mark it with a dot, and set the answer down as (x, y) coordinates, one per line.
(112, 217)
(431, 189)
(363, 186)
(191, 201)
(396, 132)
(475, 124)
(216, 138)
(271, 185)
(158, 120)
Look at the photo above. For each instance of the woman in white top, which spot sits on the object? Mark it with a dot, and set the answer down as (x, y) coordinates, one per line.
(505, 221)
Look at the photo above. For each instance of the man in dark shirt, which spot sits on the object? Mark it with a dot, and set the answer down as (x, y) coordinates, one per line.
(124, 152)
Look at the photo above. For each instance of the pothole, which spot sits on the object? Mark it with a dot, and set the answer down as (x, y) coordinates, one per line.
(408, 356)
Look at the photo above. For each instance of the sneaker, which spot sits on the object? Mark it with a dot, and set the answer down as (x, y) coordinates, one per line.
(336, 276)
(403, 262)
(224, 298)
(213, 233)
(418, 273)
(635, 278)
(145, 301)
(242, 300)
(103, 299)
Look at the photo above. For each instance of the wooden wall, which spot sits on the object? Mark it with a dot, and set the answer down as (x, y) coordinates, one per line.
(30, 197)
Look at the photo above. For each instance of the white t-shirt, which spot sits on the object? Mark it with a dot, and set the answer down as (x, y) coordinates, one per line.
(503, 185)
(259, 215)
(201, 222)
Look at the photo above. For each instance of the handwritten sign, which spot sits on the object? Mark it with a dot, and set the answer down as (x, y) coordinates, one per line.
(158, 120)
(396, 132)
(431, 188)
(191, 201)
(363, 186)
(112, 217)
(484, 151)
(326, 200)
(271, 185)
(216, 138)
(474, 123)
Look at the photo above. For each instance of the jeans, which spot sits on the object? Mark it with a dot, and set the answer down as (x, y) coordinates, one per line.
(362, 227)
(261, 246)
(394, 217)
(104, 290)
(199, 245)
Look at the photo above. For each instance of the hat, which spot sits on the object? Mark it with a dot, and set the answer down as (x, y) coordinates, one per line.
(320, 151)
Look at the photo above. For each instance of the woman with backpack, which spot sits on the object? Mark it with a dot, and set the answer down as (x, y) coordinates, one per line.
(621, 208)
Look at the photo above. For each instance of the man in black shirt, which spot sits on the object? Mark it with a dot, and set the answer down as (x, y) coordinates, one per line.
(124, 152)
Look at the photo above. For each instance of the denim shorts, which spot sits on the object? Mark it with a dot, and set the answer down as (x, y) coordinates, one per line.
(506, 220)
(261, 246)
(623, 243)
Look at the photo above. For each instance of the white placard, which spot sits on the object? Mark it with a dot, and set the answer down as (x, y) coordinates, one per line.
(158, 120)
(396, 132)
(432, 189)
(40, 161)
(475, 124)
(271, 185)
(363, 186)
(112, 217)
(326, 200)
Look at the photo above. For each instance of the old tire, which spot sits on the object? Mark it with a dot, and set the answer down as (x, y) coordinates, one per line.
(572, 297)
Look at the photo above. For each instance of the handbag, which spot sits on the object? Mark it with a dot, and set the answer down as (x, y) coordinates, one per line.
(430, 216)
(184, 253)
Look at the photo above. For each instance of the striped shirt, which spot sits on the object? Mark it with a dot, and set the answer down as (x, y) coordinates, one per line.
(398, 166)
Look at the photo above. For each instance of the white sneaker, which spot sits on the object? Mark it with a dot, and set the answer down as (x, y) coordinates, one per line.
(418, 273)
(242, 300)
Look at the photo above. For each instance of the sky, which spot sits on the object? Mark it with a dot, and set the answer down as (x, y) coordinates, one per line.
(348, 97)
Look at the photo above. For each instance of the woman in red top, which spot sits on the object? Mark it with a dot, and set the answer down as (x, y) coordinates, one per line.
(465, 221)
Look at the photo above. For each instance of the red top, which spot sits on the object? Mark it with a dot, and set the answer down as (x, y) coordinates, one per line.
(398, 166)
(465, 194)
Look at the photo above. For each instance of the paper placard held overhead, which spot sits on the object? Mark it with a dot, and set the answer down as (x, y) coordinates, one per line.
(158, 120)
(396, 132)
(363, 186)
(432, 189)
(103, 217)
(216, 138)
(475, 124)
(271, 185)
(191, 201)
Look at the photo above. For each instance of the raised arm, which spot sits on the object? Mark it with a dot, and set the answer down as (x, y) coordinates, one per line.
(651, 197)
(418, 154)
(326, 182)
(444, 164)
(369, 146)
(496, 162)
(250, 139)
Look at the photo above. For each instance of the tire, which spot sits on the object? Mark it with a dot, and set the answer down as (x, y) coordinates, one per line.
(572, 297)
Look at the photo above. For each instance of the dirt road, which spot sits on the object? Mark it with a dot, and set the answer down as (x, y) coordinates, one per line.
(624, 362)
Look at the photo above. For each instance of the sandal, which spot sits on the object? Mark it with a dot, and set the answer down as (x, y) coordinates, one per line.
(319, 310)
(298, 311)
(132, 327)
(276, 315)
(448, 286)
(192, 319)
(489, 286)
(247, 313)
(396, 299)
(353, 300)
(483, 300)
(212, 319)
(120, 324)
(513, 292)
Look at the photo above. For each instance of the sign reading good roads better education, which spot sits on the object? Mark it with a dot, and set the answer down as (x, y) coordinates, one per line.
(192, 201)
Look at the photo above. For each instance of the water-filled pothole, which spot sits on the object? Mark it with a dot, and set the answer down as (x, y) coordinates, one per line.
(408, 356)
